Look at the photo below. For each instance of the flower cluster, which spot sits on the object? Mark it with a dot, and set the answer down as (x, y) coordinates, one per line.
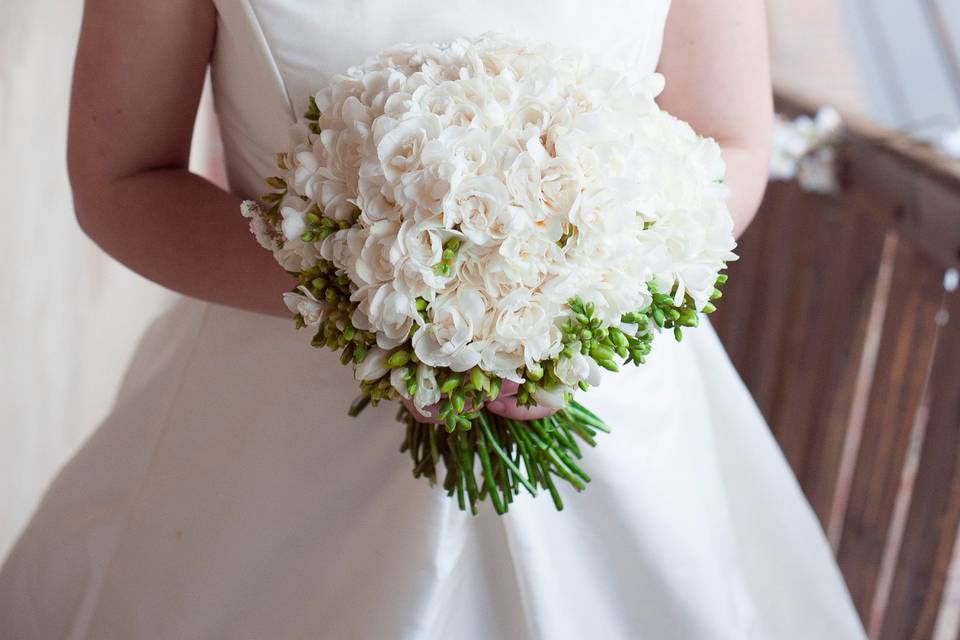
(804, 149)
(489, 210)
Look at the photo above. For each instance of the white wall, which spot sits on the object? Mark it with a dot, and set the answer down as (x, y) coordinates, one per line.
(908, 77)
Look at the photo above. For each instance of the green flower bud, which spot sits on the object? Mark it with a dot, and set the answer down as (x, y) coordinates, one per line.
(359, 352)
(601, 334)
(535, 373)
(716, 295)
(495, 384)
(398, 359)
(678, 333)
(586, 335)
(479, 379)
(659, 317)
(449, 255)
(453, 244)
(609, 365)
(458, 400)
(618, 338)
(452, 422)
(446, 408)
(307, 236)
(451, 383)
(721, 278)
(599, 352)
(709, 308)
(421, 304)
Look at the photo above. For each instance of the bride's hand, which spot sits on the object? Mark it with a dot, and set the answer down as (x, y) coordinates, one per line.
(505, 405)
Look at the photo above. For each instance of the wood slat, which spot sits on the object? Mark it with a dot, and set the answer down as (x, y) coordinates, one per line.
(793, 320)
(905, 356)
(934, 516)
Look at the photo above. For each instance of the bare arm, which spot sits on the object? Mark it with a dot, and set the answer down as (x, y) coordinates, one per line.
(718, 79)
(139, 74)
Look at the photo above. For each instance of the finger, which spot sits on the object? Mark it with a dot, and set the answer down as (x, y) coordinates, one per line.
(511, 410)
(509, 388)
(429, 415)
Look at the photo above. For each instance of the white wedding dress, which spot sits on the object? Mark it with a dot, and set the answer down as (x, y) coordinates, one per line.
(214, 504)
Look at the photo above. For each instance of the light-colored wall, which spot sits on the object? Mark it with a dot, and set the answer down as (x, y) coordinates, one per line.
(906, 68)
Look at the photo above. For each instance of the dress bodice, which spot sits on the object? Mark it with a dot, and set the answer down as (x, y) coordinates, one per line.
(271, 55)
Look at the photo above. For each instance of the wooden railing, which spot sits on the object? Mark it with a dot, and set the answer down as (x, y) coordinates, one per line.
(843, 318)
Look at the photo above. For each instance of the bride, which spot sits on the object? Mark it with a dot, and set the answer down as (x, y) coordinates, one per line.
(209, 506)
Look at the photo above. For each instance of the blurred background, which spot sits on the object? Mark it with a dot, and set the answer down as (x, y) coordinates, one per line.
(847, 333)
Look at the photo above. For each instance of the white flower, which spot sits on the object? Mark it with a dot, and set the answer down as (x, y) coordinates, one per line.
(398, 381)
(259, 226)
(480, 206)
(399, 143)
(392, 312)
(448, 341)
(374, 365)
(557, 177)
(373, 264)
(576, 368)
(553, 398)
(428, 391)
(294, 222)
(305, 304)
(520, 321)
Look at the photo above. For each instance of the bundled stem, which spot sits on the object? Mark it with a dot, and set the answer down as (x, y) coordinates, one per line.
(495, 457)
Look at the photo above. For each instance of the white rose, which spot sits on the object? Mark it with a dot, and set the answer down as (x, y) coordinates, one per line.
(447, 341)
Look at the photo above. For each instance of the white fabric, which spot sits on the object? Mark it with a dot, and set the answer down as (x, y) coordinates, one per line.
(206, 506)
(63, 346)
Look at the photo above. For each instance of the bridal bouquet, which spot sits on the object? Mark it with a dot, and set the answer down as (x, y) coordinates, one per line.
(466, 214)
